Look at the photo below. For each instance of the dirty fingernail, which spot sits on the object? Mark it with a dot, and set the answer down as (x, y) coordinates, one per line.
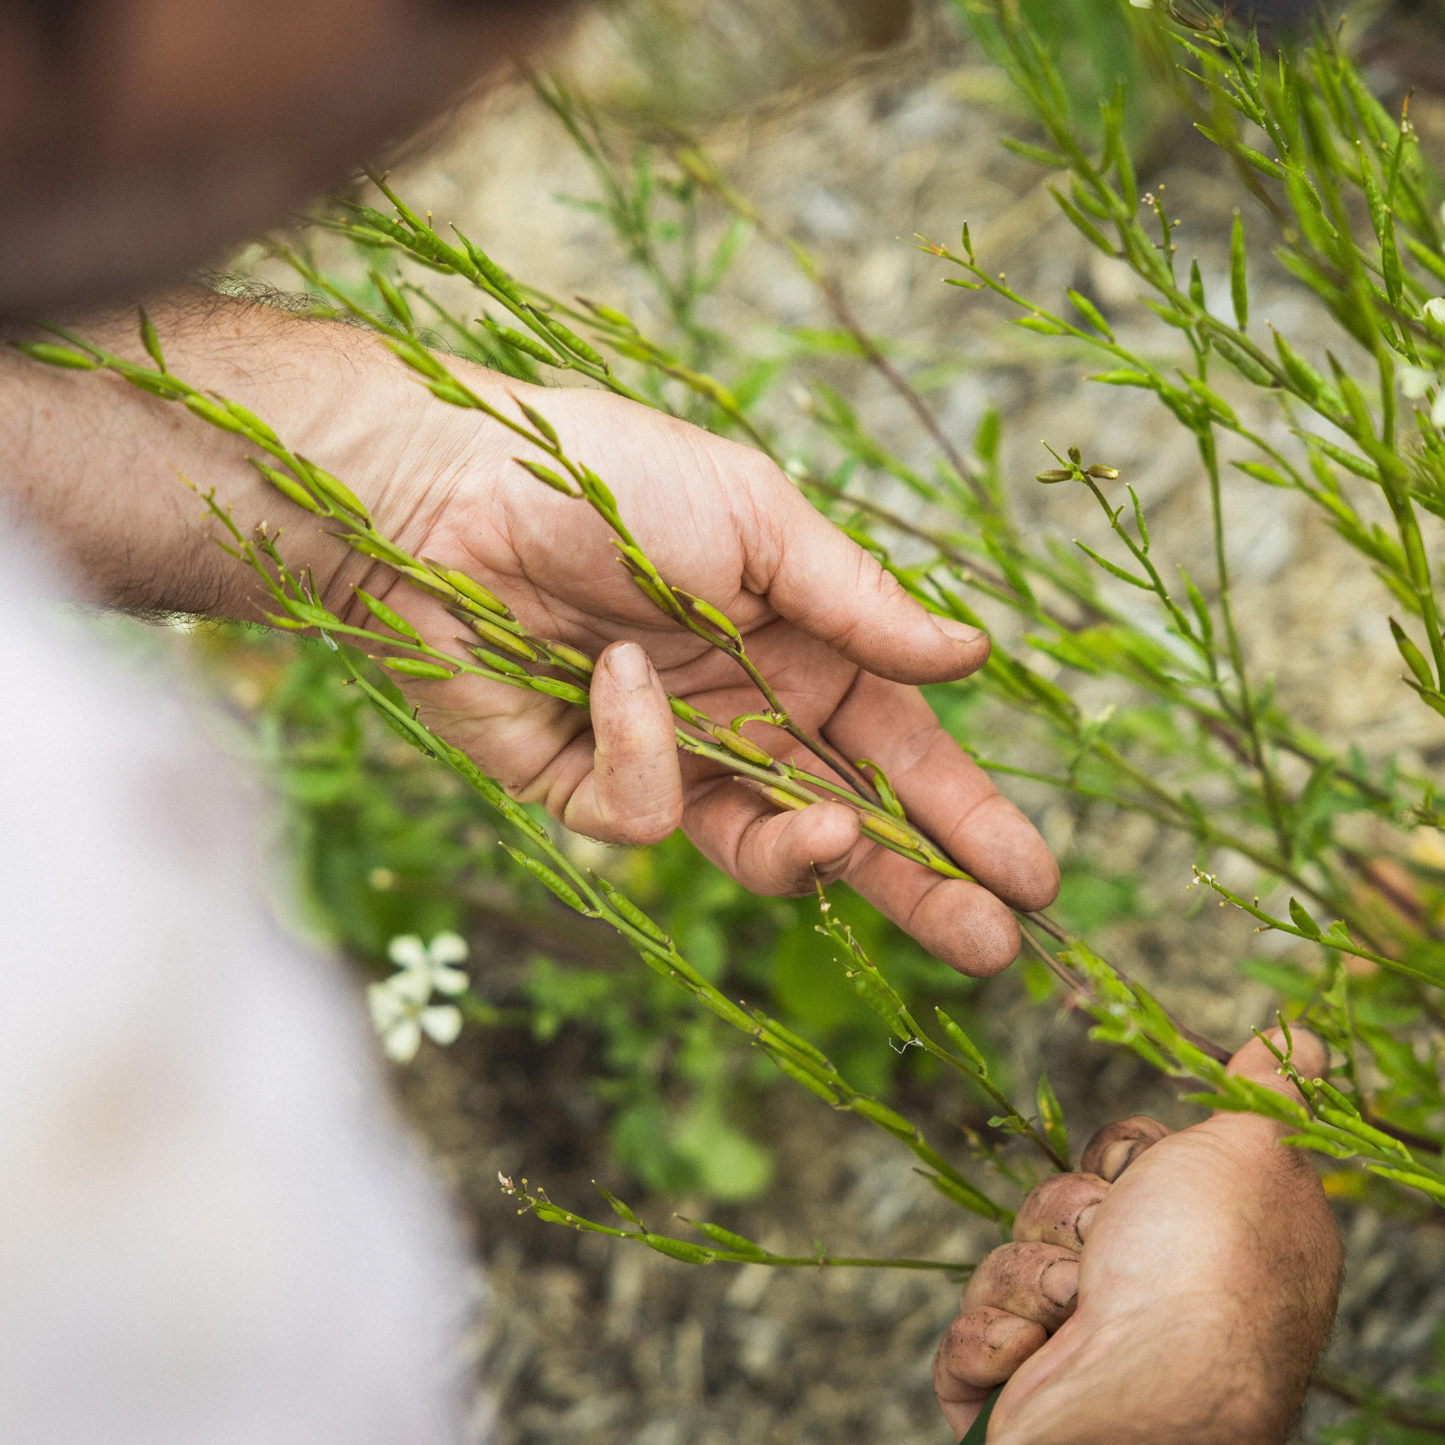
(1084, 1221)
(1060, 1282)
(1001, 1329)
(957, 631)
(628, 665)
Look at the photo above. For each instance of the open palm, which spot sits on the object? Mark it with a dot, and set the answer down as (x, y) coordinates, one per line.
(837, 637)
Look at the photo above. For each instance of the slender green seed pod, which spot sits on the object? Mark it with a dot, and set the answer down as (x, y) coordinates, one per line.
(387, 616)
(570, 657)
(151, 341)
(631, 912)
(490, 272)
(208, 411)
(546, 475)
(569, 338)
(1414, 658)
(712, 615)
(887, 831)
(498, 663)
(471, 590)
(565, 691)
(53, 355)
(499, 637)
(332, 487)
(521, 343)
(292, 490)
(415, 667)
(549, 879)
(740, 747)
(1238, 274)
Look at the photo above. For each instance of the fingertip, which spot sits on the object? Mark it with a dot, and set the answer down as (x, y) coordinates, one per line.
(783, 853)
(1310, 1056)
(967, 928)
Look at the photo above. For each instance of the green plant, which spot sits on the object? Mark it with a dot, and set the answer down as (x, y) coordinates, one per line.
(1354, 212)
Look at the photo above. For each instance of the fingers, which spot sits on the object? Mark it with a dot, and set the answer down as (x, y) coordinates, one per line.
(633, 791)
(1110, 1152)
(827, 584)
(958, 922)
(1254, 1060)
(983, 1348)
(1059, 1210)
(771, 853)
(1037, 1282)
(946, 793)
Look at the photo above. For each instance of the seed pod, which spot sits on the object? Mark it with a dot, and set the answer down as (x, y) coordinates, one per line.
(151, 341)
(548, 476)
(711, 614)
(53, 355)
(491, 273)
(564, 691)
(787, 802)
(292, 490)
(887, 831)
(499, 663)
(1238, 274)
(499, 637)
(570, 657)
(740, 747)
(387, 617)
(208, 411)
(415, 667)
(521, 343)
(472, 591)
(337, 490)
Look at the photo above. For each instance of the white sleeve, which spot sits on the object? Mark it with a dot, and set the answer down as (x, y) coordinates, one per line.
(211, 1228)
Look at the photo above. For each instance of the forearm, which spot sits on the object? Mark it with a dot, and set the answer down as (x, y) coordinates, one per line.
(95, 466)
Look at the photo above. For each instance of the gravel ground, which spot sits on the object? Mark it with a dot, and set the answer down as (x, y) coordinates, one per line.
(587, 1342)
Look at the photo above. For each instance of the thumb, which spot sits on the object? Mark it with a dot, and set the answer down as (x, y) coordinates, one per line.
(829, 586)
(1254, 1061)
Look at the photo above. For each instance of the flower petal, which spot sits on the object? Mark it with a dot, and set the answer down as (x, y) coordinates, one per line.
(413, 985)
(442, 1023)
(407, 951)
(385, 1007)
(450, 981)
(448, 948)
(403, 1041)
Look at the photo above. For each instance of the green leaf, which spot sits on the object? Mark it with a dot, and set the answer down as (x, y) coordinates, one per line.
(1141, 582)
(1051, 1116)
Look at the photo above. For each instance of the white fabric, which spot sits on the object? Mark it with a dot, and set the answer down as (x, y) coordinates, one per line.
(211, 1231)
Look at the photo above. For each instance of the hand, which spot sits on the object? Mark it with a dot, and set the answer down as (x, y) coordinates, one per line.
(837, 637)
(1177, 1296)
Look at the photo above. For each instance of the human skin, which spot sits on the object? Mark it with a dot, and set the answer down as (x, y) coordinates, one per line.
(93, 464)
(1175, 1292)
(156, 132)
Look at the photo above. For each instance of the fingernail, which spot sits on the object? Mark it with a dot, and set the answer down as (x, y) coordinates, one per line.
(1116, 1159)
(957, 631)
(1001, 1329)
(629, 668)
(1084, 1221)
(1060, 1282)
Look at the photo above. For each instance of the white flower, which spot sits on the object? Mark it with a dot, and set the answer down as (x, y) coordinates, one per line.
(1434, 310)
(401, 1007)
(1415, 381)
(430, 961)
